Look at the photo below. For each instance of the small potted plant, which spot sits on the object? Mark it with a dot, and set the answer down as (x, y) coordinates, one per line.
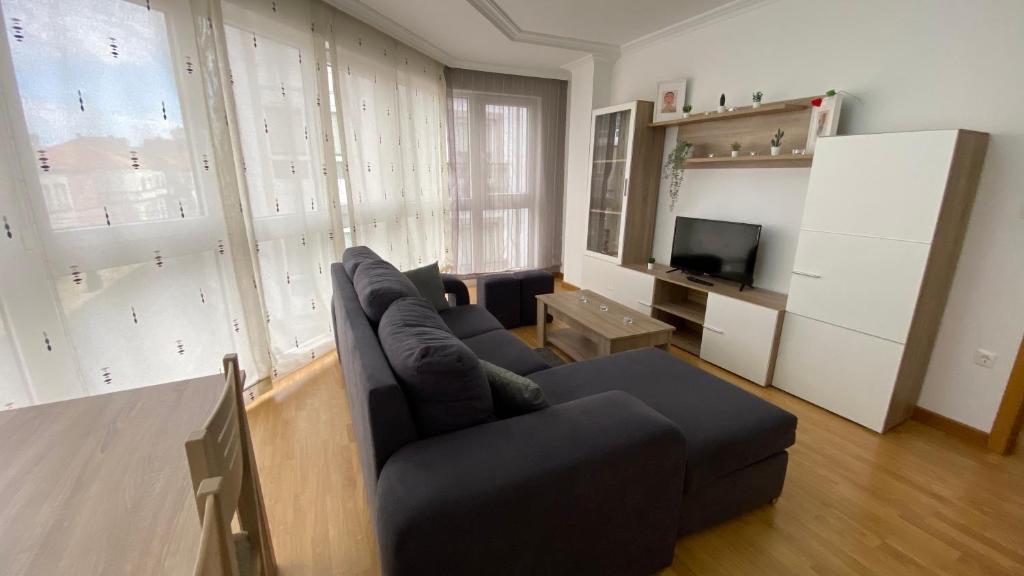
(721, 103)
(736, 146)
(650, 263)
(686, 110)
(757, 98)
(777, 142)
(674, 163)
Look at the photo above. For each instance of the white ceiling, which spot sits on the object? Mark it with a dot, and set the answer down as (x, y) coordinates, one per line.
(611, 21)
(532, 37)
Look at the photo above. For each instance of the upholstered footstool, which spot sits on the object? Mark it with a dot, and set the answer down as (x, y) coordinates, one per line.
(532, 283)
(499, 294)
(512, 298)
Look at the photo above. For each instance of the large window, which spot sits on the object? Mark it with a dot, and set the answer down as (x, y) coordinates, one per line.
(117, 229)
(494, 149)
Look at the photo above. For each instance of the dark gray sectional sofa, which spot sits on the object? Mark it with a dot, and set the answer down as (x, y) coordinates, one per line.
(636, 449)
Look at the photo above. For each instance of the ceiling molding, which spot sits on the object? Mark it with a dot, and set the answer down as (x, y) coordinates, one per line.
(596, 58)
(490, 10)
(372, 17)
(724, 12)
(553, 73)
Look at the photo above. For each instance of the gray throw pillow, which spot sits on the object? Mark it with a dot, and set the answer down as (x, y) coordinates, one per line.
(377, 285)
(428, 281)
(511, 393)
(441, 377)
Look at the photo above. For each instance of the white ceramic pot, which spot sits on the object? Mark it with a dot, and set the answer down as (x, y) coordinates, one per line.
(686, 114)
(650, 266)
(721, 108)
(776, 150)
(757, 104)
(735, 153)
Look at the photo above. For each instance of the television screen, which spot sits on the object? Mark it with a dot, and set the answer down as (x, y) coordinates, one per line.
(716, 248)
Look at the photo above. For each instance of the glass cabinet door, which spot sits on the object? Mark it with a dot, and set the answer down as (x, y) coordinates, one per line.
(608, 182)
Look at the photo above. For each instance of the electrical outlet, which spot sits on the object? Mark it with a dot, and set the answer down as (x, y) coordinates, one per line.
(984, 358)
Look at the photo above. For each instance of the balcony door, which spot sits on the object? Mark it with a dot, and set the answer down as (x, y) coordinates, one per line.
(495, 140)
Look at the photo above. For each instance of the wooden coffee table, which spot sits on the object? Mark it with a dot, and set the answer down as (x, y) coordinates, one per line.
(596, 326)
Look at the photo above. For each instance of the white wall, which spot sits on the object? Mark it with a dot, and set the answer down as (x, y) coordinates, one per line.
(771, 197)
(588, 89)
(912, 65)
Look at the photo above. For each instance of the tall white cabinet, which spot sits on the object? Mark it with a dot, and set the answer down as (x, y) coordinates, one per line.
(883, 224)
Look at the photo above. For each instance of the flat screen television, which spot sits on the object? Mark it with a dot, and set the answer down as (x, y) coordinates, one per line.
(726, 250)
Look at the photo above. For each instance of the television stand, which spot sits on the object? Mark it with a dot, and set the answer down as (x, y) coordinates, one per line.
(737, 330)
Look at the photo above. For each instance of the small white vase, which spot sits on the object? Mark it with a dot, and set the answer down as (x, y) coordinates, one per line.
(757, 104)
(686, 114)
(776, 150)
(650, 265)
(721, 109)
(735, 153)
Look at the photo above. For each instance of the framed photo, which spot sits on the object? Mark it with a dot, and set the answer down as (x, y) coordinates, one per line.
(824, 120)
(671, 98)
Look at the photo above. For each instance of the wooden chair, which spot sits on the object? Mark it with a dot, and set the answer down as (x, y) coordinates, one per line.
(225, 480)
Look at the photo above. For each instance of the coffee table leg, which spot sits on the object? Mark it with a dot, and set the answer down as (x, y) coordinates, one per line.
(667, 346)
(542, 323)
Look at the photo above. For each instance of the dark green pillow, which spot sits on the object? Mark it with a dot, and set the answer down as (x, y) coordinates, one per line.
(511, 393)
(428, 281)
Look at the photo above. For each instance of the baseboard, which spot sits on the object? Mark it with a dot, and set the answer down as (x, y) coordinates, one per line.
(567, 286)
(949, 426)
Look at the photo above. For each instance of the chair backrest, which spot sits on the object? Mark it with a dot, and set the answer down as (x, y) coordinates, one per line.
(216, 450)
(216, 551)
(222, 450)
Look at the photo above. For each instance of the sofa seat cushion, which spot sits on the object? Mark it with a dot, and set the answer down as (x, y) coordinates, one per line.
(503, 349)
(726, 428)
(470, 320)
(441, 377)
(378, 284)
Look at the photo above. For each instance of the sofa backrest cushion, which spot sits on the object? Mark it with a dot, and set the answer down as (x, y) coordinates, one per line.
(356, 255)
(378, 284)
(442, 378)
(381, 415)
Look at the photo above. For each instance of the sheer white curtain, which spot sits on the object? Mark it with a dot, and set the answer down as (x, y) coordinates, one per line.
(392, 104)
(506, 138)
(117, 262)
(277, 100)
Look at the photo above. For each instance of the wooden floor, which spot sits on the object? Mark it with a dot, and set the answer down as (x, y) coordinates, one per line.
(914, 501)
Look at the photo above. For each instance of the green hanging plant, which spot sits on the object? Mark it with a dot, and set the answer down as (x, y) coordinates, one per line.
(674, 164)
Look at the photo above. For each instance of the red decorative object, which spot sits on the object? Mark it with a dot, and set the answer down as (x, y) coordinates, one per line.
(816, 102)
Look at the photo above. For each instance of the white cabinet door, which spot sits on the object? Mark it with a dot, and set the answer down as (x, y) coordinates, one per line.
(865, 284)
(625, 286)
(846, 372)
(881, 185)
(739, 337)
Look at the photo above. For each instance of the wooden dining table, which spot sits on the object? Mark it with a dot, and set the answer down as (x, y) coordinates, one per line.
(100, 485)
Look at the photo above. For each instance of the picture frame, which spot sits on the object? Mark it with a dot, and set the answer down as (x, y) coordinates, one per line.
(670, 101)
(824, 120)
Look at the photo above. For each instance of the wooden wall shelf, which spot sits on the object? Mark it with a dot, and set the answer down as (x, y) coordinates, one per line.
(748, 161)
(742, 112)
(714, 133)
